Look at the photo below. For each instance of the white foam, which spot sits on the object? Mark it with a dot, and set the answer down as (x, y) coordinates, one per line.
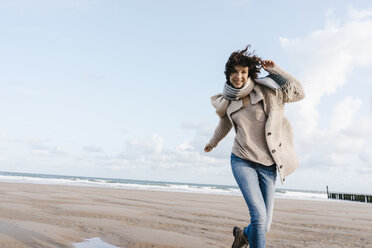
(301, 195)
(105, 183)
(159, 186)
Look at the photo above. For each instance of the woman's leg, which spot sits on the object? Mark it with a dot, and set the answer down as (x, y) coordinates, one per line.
(245, 173)
(267, 177)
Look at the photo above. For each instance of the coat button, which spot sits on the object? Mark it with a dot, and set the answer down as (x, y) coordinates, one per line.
(269, 133)
(273, 151)
(283, 179)
(281, 166)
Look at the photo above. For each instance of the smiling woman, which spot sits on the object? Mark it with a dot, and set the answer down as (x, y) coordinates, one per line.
(239, 76)
(263, 143)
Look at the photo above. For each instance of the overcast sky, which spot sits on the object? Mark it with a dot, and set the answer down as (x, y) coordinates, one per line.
(122, 88)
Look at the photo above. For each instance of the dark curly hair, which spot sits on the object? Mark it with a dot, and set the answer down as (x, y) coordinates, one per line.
(243, 58)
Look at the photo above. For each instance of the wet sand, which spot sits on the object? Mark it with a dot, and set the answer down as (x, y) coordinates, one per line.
(33, 215)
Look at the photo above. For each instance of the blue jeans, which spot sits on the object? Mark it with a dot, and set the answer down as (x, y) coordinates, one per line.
(257, 184)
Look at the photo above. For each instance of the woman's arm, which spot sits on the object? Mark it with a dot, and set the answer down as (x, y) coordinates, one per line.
(223, 128)
(290, 88)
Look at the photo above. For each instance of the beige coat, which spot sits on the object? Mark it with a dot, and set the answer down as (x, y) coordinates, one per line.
(279, 136)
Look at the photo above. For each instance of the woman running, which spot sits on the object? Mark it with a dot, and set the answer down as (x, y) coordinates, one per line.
(263, 142)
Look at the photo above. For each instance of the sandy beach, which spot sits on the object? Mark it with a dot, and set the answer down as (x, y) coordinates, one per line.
(33, 215)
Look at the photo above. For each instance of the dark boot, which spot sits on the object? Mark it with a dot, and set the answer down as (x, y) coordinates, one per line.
(240, 240)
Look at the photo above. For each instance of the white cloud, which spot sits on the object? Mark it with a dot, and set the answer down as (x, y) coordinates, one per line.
(359, 15)
(151, 154)
(149, 146)
(336, 139)
(93, 148)
(37, 145)
(361, 127)
(326, 58)
(344, 112)
(2, 134)
(48, 151)
(366, 157)
(25, 140)
(337, 158)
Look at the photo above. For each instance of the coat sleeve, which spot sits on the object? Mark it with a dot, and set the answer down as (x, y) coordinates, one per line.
(290, 89)
(223, 128)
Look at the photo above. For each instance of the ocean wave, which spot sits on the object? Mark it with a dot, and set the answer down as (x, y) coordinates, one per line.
(148, 185)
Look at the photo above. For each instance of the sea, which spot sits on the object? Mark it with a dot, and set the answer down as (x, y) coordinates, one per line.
(17, 177)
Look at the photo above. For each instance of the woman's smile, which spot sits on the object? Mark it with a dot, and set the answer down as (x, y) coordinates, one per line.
(239, 76)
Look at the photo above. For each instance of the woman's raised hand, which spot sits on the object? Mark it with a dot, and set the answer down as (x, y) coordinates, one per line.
(267, 64)
(208, 148)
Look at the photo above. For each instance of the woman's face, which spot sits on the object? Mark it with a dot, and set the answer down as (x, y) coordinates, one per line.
(239, 76)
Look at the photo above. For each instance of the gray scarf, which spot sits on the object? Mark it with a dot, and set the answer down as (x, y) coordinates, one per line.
(222, 101)
(234, 94)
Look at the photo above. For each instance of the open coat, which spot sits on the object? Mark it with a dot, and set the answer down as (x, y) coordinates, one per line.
(278, 130)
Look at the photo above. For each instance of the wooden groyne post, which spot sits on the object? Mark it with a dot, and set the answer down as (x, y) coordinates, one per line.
(349, 197)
